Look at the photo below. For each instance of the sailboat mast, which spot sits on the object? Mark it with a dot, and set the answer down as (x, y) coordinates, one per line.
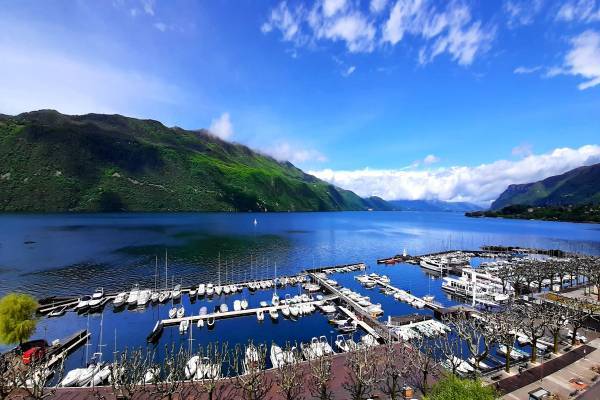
(166, 272)
(155, 273)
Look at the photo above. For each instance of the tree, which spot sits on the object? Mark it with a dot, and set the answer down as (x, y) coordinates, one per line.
(251, 380)
(455, 388)
(475, 335)
(34, 379)
(450, 350)
(320, 377)
(504, 325)
(424, 362)
(555, 317)
(214, 356)
(577, 314)
(172, 373)
(362, 373)
(17, 318)
(130, 372)
(533, 324)
(290, 375)
(396, 365)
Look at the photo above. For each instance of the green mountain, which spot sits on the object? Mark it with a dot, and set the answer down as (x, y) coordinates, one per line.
(576, 187)
(433, 205)
(53, 162)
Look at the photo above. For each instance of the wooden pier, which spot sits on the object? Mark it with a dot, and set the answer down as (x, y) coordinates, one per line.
(61, 351)
(429, 304)
(378, 329)
(239, 313)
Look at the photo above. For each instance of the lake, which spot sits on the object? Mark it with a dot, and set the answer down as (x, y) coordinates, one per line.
(64, 254)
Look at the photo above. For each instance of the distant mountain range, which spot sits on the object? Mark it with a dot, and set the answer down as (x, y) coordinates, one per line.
(53, 162)
(572, 196)
(433, 205)
(576, 187)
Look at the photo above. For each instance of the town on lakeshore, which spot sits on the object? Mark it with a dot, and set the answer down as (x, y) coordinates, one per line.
(300, 200)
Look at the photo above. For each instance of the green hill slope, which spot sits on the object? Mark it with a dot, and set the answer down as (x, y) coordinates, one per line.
(576, 187)
(55, 162)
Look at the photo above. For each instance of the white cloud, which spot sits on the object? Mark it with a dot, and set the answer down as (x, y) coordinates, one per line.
(148, 6)
(34, 78)
(377, 6)
(452, 30)
(222, 126)
(161, 26)
(522, 150)
(521, 12)
(284, 151)
(332, 7)
(527, 70)
(480, 184)
(349, 71)
(431, 159)
(579, 10)
(353, 28)
(583, 60)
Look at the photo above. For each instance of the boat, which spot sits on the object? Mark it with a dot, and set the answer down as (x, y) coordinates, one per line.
(429, 298)
(210, 290)
(244, 304)
(461, 365)
(152, 374)
(218, 290)
(191, 367)
(482, 365)
(514, 353)
(325, 346)
(251, 360)
(84, 302)
(176, 292)
(193, 292)
(101, 376)
(97, 298)
(154, 297)
(210, 322)
(172, 312)
(285, 310)
(143, 297)
(237, 305)
(260, 315)
(133, 296)
(164, 296)
(58, 312)
(211, 370)
(368, 340)
(226, 289)
(328, 308)
(224, 308)
(120, 299)
(184, 325)
(264, 304)
(273, 313)
(180, 312)
(294, 311)
(347, 327)
(280, 357)
(86, 376)
(200, 323)
(201, 290)
(275, 300)
(156, 333)
(345, 344)
(72, 377)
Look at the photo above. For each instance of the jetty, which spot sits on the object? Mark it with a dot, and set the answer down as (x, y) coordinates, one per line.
(239, 313)
(60, 351)
(357, 312)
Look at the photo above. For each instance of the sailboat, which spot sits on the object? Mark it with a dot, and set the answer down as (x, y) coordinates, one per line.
(429, 297)
(275, 298)
(165, 295)
(102, 370)
(155, 295)
(218, 288)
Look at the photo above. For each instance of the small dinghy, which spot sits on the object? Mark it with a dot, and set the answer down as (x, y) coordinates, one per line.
(260, 315)
(180, 312)
(184, 325)
(274, 314)
(244, 304)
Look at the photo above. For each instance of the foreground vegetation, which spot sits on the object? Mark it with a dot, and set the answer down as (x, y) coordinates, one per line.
(54, 162)
(582, 213)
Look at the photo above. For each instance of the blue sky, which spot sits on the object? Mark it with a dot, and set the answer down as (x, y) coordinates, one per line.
(402, 99)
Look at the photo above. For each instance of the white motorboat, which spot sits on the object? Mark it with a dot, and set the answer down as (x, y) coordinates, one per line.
(233, 288)
(211, 370)
(210, 290)
(260, 315)
(98, 294)
(143, 297)
(72, 377)
(275, 299)
(176, 292)
(251, 361)
(84, 302)
(273, 313)
(294, 311)
(210, 322)
(203, 310)
(264, 304)
(193, 292)
(429, 298)
(218, 290)
(345, 344)
(133, 296)
(57, 312)
(184, 325)
(224, 308)
(200, 323)
(244, 304)
(194, 368)
(172, 312)
(97, 298)
(152, 374)
(325, 346)
(280, 357)
(101, 376)
(164, 296)
(120, 299)
(226, 289)
(155, 297)
(368, 340)
(86, 376)
(180, 312)
(285, 310)
(201, 289)
(328, 308)
(237, 305)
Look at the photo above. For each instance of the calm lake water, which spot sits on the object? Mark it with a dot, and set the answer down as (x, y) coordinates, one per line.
(64, 254)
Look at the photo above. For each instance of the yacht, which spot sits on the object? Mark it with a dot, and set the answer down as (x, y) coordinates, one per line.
(184, 325)
(180, 312)
(164, 296)
(280, 357)
(244, 304)
(260, 315)
(133, 296)
(97, 298)
(172, 312)
(210, 290)
(252, 359)
(285, 310)
(143, 297)
(224, 308)
(201, 290)
(436, 264)
(120, 299)
(84, 302)
(273, 313)
(155, 297)
(481, 285)
(237, 305)
(176, 292)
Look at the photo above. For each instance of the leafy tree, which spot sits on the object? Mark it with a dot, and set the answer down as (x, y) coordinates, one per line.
(17, 318)
(454, 388)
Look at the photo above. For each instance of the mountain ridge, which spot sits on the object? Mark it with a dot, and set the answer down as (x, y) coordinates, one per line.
(55, 162)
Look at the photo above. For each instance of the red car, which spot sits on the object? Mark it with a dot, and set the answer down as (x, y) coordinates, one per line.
(33, 354)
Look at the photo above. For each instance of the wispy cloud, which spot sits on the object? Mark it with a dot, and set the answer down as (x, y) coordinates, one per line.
(527, 70)
(579, 10)
(582, 60)
(349, 71)
(222, 126)
(450, 29)
(480, 184)
(521, 12)
(284, 151)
